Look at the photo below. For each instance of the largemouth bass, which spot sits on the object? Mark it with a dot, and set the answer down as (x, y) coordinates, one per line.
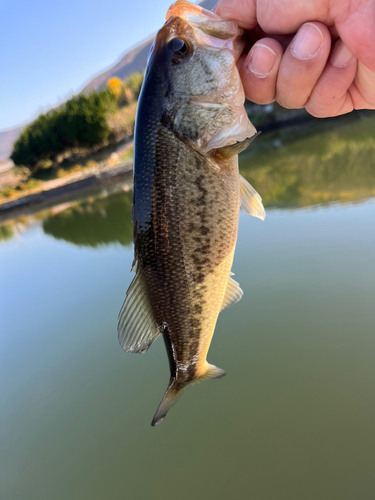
(190, 126)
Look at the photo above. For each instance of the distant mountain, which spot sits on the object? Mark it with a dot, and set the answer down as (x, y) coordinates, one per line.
(6, 141)
(132, 61)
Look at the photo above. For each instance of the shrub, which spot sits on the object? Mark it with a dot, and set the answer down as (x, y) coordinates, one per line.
(134, 83)
(80, 122)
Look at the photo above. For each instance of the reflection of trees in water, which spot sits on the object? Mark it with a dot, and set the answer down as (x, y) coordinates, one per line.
(331, 166)
(6, 232)
(336, 165)
(94, 222)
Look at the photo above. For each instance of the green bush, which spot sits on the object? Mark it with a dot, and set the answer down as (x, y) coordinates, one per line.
(80, 122)
(134, 83)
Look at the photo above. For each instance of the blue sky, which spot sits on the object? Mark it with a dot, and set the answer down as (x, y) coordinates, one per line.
(49, 49)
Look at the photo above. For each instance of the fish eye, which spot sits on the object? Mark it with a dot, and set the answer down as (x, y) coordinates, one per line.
(179, 49)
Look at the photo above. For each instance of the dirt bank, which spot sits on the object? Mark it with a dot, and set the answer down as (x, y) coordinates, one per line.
(53, 193)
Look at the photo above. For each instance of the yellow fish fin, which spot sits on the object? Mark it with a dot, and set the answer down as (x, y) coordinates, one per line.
(175, 389)
(251, 202)
(233, 293)
(136, 328)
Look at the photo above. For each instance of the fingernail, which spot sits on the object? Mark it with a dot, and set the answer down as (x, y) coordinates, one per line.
(262, 60)
(340, 56)
(307, 42)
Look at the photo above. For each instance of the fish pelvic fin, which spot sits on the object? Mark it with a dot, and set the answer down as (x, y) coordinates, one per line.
(177, 387)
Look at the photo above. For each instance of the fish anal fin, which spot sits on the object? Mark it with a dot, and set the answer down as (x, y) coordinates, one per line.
(233, 293)
(226, 152)
(175, 390)
(136, 328)
(251, 202)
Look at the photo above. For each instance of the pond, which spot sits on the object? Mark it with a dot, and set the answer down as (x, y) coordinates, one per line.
(294, 417)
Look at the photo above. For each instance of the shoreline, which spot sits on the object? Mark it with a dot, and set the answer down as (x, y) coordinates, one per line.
(92, 181)
(124, 170)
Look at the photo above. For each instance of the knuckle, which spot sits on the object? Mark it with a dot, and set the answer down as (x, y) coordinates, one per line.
(263, 99)
(288, 103)
(290, 97)
(260, 94)
(322, 106)
(317, 112)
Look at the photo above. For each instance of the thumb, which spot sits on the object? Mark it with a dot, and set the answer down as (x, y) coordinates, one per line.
(242, 11)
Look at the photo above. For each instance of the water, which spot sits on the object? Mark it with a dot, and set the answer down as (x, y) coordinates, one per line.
(294, 417)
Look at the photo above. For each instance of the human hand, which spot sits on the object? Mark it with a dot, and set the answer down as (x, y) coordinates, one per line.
(327, 80)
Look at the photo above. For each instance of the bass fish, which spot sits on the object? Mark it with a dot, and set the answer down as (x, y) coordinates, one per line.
(190, 126)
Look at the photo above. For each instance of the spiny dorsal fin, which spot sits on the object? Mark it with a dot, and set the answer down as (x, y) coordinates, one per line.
(251, 202)
(227, 152)
(233, 293)
(136, 328)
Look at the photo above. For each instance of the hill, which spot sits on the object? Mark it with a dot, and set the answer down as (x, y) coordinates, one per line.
(132, 61)
(6, 141)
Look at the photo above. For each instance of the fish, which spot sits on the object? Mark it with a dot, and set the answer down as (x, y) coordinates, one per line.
(191, 124)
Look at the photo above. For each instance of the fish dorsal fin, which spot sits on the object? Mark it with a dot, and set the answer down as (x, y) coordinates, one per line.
(251, 202)
(226, 152)
(136, 328)
(233, 293)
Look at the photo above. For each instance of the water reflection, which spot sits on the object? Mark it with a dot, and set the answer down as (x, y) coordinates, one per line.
(288, 169)
(6, 232)
(95, 221)
(295, 414)
(333, 166)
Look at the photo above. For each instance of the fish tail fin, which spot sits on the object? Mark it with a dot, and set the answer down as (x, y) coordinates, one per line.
(175, 390)
(170, 398)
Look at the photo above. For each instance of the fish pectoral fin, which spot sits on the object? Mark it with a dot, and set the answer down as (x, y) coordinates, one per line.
(226, 152)
(233, 293)
(136, 328)
(251, 202)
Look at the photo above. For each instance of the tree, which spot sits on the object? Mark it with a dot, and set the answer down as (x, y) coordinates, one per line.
(80, 122)
(134, 83)
(115, 86)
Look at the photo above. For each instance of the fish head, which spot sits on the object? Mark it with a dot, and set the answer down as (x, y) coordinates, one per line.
(203, 99)
(203, 48)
